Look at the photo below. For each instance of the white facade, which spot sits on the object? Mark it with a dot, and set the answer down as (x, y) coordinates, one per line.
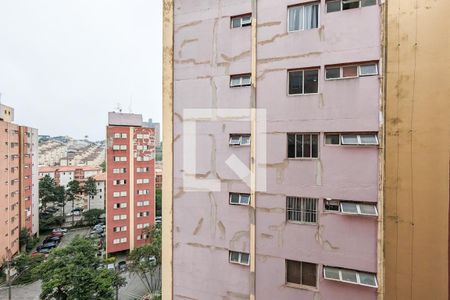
(98, 201)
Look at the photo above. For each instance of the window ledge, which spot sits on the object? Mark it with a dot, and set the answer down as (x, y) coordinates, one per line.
(301, 223)
(297, 31)
(301, 287)
(301, 95)
(303, 158)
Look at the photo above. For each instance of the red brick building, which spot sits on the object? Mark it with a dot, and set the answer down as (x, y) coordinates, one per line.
(130, 182)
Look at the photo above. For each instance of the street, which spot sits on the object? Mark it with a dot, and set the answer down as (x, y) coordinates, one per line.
(133, 290)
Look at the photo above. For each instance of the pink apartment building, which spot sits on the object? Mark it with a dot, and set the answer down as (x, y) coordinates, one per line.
(313, 68)
(19, 188)
(130, 182)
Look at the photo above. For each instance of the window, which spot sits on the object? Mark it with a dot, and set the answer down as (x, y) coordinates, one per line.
(142, 170)
(142, 181)
(359, 139)
(142, 214)
(120, 229)
(143, 158)
(142, 147)
(119, 171)
(241, 199)
(303, 210)
(352, 208)
(120, 194)
(123, 217)
(239, 140)
(351, 71)
(351, 139)
(350, 276)
(123, 205)
(119, 182)
(240, 80)
(120, 158)
(337, 5)
(303, 82)
(143, 203)
(241, 21)
(145, 225)
(301, 273)
(303, 17)
(303, 145)
(239, 258)
(116, 217)
(143, 192)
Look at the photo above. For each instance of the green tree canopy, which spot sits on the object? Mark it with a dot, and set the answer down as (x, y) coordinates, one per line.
(145, 261)
(47, 190)
(90, 187)
(73, 189)
(74, 272)
(92, 216)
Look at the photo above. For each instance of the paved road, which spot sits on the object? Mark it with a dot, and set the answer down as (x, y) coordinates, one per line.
(133, 290)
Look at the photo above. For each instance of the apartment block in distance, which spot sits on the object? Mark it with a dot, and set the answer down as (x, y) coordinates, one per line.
(130, 181)
(19, 187)
(304, 224)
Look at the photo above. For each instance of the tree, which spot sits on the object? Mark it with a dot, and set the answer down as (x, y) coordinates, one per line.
(46, 190)
(24, 237)
(73, 189)
(158, 198)
(90, 188)
(92, 216)
(24, 265)
(74, 272)
(60, 197)
(103, 166)
(145, 261)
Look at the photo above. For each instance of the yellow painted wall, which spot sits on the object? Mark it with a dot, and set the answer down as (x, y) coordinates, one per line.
(417, 149)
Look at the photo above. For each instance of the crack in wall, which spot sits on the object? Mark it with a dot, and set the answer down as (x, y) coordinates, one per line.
(281, 58)
(325, 244)
(187, 25)
(198, 227)
(273, 38)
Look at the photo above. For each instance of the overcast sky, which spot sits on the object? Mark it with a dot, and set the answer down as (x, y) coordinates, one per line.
(65, 63)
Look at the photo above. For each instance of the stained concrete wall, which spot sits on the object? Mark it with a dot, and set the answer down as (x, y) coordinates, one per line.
(205, 227)
(417, 150)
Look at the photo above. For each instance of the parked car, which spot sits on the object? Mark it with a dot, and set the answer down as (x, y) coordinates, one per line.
(122, 265)
(51, 209)
(49, 239)
(57, 233)
(74, 213)
(63, 230)
(49, 246)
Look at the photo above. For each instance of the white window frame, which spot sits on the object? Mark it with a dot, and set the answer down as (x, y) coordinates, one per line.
(239, 261)
(116, 217)
(302, 27)
(358, 208)
(240, 200)
(303, 81)
(241, 78)
(357, 274)
(303, 142)
(237, 140)
(123, 205)
(368, 74)
(359, 140)
(123, 217)
(242, 22)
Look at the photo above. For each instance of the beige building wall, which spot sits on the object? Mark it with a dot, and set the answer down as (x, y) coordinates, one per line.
(417, 150)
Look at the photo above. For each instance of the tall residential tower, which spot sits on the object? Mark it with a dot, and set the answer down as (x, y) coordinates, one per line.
(130, 181)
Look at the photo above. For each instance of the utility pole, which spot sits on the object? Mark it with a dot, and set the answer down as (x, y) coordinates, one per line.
(8, 273)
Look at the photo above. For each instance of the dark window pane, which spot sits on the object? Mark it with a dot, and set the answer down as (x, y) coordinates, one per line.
(332, 139)
(307, 145)
(236, 22)
(293, 271)
(299, 145)
(368, 2)
(333, 73)
(315, 146)
(349, 4)
(309, 274)
(350, 71)
(333, 6)
(234, 198)
(311, 81)
(296, 82)
(291, 145)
